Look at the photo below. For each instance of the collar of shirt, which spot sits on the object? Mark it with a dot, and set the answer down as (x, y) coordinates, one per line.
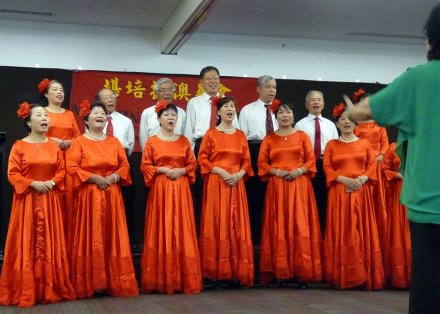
(207, 97)
(259, 102)
(312, 117)
(113, 114)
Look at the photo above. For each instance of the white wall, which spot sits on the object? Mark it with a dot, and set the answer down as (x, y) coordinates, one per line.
(125, 49)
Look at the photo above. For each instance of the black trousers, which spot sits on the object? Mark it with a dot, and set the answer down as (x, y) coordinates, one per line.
(424, 294)
(320, 189)
(255, 191)
(197, 189)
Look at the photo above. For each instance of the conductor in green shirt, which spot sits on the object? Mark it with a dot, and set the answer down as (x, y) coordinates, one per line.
(411, 103)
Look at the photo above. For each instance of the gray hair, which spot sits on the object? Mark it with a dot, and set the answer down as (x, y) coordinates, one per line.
(314, 91)
(263, 79)
(160, 82)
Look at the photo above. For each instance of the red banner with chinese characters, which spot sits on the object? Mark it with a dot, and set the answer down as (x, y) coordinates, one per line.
(135, 91)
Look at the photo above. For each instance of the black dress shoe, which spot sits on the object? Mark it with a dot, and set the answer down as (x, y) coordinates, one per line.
(302, 285)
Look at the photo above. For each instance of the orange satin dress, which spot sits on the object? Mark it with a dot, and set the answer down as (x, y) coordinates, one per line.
(63, 126)
(378, 138)
(291, 235)
(170, 261)
(351, 250)
(397, 257)
(101, 256)
(35, 268)
(225, 240)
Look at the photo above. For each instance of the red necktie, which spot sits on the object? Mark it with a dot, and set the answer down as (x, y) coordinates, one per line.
(213, 121)
(109, 126)
(269, 122)
(317, 139)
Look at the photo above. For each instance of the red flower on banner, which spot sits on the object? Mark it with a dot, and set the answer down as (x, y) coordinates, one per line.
(84, 108)
(357, 95)
(161, 105)
(338, 110)
(24, 110)
(275, 105)
(215, 100)
(42, 86)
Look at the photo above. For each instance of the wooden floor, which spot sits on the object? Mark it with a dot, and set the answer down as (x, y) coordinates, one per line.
(315, 299)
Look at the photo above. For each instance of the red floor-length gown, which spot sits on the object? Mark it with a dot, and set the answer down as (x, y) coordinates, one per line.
(63, 126)
(291, 235)
(397, 257)
(225, 240)
(351, 250)
(170, 261)
(101, 255)
(35, 268)
(378, 138)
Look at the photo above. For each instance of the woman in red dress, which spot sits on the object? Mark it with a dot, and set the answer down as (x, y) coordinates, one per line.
(378, 138)
(291, 235)
(225, 236)
(170, 261)
(351, 250)
(397, 257)
(101, 256)
(35, 268)
(63, 129)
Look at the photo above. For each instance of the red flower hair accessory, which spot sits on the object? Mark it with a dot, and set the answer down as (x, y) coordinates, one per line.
(357, 95)
(275, 105)
(161, 105)
(42, 86)
(84, 108)
(215, 100)
(338, 110)
(24, 110)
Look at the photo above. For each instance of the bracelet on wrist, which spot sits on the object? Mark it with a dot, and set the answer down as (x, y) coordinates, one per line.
(114, 176)
(278, 171)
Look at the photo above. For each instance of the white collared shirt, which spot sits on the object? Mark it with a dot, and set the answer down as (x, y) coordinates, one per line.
(198, 118)
(123, 130)
(327, 127)
(149, 125)
(252, 120)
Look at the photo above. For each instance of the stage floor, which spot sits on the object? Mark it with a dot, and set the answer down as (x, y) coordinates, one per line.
(316, 299)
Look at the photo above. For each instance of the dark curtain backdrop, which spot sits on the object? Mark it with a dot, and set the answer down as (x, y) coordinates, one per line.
(20, 84)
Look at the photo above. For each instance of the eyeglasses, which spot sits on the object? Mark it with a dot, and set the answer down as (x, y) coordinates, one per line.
(166, 90)
(209, 79)
(109, 97)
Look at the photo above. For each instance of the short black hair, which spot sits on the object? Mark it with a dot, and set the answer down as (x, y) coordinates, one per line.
(169, 106)
(28, 118)
(207, 69)
(222, 102)
(285, 105)
(43, 93)
(93, 105)
(432, 32)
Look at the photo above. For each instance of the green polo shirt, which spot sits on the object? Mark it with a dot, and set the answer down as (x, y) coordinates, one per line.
(411, 103)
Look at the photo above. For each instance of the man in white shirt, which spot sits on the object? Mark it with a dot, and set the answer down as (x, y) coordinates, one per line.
(326, 131)
(122, 126)
(164, 89)
(198, 110)
(253, 117)
(256, 120)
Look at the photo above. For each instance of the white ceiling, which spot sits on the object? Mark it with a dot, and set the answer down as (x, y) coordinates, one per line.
(389, 21)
